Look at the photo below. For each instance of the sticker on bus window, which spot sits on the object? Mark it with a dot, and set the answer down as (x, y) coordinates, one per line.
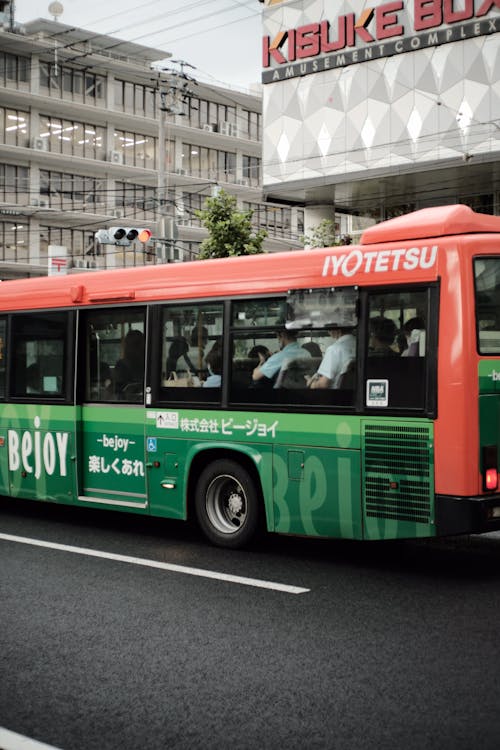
(377, 393)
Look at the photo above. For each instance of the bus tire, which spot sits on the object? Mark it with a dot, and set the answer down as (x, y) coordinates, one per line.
(227, 504)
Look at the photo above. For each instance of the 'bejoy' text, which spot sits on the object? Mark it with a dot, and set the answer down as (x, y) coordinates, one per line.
(36, 451)
(358, 261)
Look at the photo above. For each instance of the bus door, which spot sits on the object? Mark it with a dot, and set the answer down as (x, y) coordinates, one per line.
(111, 450)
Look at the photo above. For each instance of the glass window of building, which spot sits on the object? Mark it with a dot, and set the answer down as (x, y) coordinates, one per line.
(138, 150)
(72, 84)
(135, 98)
(251, 169)
(14, 127)
(14, 184)
(73, 138)
(14, 71)
(14, 246)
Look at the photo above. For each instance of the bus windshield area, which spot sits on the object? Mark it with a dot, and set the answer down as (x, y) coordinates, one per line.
(487, 289)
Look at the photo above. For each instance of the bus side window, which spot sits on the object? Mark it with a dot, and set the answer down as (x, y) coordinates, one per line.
(115, 355)
(3, 356)
(191, 353)
(40, 353)
(395, 357)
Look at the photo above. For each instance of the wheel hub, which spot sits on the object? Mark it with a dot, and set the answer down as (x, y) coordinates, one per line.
(235, 504)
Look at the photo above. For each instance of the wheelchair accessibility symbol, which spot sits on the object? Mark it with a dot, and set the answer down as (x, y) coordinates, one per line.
(152, 448)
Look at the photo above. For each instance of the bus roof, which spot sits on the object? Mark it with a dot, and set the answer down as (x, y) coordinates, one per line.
(271, 273)
(431, 222)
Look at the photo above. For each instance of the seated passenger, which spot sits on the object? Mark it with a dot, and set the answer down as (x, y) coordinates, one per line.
(410, 337)
(382, 335)
(267, 372)
(214, 365)
(338, 357)
(130, 369)
(179, 351)
(260, 352)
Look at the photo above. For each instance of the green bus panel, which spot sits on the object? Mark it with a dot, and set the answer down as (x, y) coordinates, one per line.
(316, 491)
(322, 475)
(37, 453)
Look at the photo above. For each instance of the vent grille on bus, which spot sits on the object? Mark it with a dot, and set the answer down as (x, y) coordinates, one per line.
(398, 472)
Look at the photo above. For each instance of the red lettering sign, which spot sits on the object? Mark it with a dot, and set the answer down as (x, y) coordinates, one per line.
(386, 20)
(307, 41)
(452, 16)
(487, 6)
(427, 14)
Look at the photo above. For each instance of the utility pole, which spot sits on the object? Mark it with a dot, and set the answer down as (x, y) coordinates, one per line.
(174, 95)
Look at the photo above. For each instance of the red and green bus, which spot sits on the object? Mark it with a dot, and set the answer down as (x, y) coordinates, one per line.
(143, 389)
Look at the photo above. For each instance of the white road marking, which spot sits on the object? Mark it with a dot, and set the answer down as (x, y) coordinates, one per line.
(200, 572)
(13, 741)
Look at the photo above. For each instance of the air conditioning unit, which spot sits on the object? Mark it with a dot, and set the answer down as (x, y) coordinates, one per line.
(224, 128)
(233, 130)
(117, 213)
(115, 157)
(182, 222)
(180, 171)
(243, 181)
(40, 202)
(40, 144)
(208, 127)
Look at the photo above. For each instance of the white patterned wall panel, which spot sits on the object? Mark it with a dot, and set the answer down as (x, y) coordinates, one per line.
(413, 108)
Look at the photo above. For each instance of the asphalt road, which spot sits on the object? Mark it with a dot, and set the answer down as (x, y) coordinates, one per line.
(393, 645)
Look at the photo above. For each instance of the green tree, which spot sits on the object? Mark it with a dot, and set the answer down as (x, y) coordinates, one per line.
(230, 230)
(324, 236)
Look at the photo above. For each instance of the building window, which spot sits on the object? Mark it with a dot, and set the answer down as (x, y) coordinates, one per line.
(251, 125)
(79, 242)
(69, 83)
(138, 150)
(277, 220)
(70, 191)
(135, 98)
(14, 246)
(208, 163)
(14, 184)
(136, 201)
(72, 138)
(14, 126)
(14, 71)
(202, 112)
(251, 169)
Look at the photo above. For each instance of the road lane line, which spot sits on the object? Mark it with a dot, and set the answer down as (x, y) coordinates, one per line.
(199, 572)
(13, 741)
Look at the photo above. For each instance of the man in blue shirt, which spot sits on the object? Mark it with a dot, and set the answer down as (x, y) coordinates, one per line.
(289, 350)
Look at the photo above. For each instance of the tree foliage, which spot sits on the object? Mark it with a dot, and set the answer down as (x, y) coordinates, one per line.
(324, 235)
(230, 231)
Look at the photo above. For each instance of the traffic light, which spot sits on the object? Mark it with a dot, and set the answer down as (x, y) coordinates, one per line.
(123, 235)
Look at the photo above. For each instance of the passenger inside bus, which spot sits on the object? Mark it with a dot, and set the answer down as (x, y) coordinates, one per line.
(178, 357)
(267, 373)
(336, 361)
(214, 365)
(259, 352)
(413, 336)
(382, 335)
(198, 342)
(128, 374)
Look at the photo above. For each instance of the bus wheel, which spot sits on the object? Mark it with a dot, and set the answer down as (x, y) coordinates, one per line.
(227, 504)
